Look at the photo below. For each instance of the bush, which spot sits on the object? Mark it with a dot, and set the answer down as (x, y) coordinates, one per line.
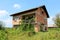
(3, 35)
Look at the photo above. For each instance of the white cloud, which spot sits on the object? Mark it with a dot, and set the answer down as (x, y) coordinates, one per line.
(5, 17)
(17, 6)
(8, 22)
(50, 21)
(3, 12)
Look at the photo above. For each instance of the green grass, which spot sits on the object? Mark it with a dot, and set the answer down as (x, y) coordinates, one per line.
(52, 34)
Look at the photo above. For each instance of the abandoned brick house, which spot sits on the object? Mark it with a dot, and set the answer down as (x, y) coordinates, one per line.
(38, 15)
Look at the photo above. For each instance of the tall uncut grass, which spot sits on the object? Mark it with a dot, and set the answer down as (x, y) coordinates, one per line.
(52, 34)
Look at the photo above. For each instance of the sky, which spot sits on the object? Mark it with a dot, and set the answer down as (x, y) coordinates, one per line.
(8, 7)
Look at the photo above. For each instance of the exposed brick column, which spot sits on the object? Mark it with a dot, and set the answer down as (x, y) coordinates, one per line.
(37, 27)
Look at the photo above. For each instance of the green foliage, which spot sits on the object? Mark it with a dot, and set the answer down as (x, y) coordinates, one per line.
(3, 35)
(57, 20)
(26, 26)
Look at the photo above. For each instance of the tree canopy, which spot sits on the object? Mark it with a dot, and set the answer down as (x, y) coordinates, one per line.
(2, 25)
(57, 20)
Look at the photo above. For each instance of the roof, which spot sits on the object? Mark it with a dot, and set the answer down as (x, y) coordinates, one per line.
(32, 10)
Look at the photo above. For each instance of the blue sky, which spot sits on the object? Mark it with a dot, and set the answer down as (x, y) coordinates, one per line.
(8, 7)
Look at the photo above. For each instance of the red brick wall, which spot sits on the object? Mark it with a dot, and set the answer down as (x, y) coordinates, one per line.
(40, 18)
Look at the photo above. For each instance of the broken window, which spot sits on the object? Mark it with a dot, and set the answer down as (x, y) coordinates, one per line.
(15, 18)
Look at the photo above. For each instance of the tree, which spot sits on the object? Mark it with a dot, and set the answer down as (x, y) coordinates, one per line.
(2, 25)
(57, 20)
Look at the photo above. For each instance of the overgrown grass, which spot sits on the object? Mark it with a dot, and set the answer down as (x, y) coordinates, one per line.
(3, 35)
(52, 34)
(16, 34)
